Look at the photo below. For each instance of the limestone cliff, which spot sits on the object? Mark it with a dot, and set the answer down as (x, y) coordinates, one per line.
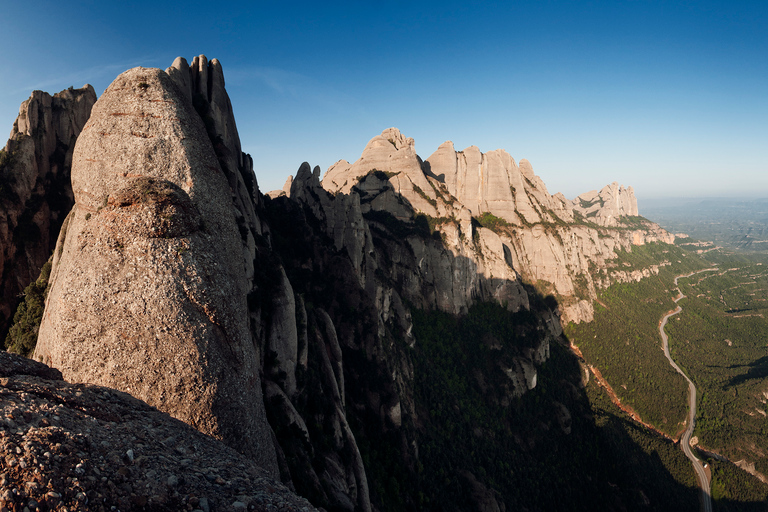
(557, 245)
(35, 191)
(608, 206)
(148, 285)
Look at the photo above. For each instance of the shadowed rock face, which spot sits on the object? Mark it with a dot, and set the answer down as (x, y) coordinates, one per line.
(35, 191)
(148, 286)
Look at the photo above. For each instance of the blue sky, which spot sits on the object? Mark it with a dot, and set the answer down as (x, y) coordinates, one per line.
(669, 97)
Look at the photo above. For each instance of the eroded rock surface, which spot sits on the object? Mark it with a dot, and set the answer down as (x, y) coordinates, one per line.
(175, 278)
(529, 236)
(607, 206)
(87, 447)
(149, 284)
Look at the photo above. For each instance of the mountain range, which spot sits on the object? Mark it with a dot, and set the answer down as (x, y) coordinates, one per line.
(386, 336)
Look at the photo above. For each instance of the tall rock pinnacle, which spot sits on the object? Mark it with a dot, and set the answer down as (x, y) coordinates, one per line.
(35, 192)
(148, 287)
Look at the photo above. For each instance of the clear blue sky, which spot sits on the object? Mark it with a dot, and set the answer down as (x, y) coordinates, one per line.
(670, 97)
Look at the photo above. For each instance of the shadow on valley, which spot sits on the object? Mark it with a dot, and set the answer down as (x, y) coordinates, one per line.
(757, 369)
(493, 410)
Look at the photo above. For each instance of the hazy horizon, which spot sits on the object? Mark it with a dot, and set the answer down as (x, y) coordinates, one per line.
(669, 98)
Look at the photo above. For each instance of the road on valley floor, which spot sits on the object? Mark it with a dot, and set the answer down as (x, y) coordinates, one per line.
(685, 441)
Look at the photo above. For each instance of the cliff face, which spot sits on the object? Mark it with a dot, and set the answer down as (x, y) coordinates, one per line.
(35, 194)
(563, 248)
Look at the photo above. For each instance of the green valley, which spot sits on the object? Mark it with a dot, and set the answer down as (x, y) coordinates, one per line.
(719, 340)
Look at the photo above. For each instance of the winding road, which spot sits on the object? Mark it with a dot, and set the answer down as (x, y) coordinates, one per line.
(685, 440)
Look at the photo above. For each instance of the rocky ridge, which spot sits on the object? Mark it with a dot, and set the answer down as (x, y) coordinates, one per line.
(546, 240)
(35, 195)
(608, 206)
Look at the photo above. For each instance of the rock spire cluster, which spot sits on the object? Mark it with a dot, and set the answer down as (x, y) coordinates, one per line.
(540, 238)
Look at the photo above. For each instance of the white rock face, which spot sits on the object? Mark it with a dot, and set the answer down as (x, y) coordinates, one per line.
(393, 154)
(493, 183)
(537, 238)
(148, 287)
(607, 206)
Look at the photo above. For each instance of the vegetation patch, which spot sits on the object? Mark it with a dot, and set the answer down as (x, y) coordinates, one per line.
(514, 445)
(382, 175)
(492, 222)
(623, 340)
(719, 338)
(22, 336)
(424, 196)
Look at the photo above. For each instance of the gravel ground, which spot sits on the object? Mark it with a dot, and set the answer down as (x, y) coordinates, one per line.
(81, 447)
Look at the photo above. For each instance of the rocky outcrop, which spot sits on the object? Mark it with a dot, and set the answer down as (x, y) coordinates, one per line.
(86, 447)
(35, 190)
(445, 269)
(203, 83)
(395, 155)
(534, 237)
(492, 182)
(607, 206)
(483, 498)
(149, 284)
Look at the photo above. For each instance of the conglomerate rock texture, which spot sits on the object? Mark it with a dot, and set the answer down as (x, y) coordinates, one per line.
(86, 447)
(148, 285)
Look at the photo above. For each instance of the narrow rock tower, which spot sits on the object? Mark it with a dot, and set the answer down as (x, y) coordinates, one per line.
(148, 287)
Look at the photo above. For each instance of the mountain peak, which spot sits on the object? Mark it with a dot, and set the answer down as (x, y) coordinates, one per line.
(394, 137)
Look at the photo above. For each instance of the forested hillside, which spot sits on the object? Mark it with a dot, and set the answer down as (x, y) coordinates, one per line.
(718, 340)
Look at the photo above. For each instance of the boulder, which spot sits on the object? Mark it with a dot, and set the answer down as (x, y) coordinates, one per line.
(148, 286)
(84, 447)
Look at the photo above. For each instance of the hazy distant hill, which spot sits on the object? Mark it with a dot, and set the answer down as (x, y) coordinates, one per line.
(734, 223)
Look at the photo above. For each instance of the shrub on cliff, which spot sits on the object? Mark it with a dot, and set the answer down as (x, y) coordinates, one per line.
(22, 335)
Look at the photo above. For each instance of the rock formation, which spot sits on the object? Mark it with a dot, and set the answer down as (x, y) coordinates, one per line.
(35, 191)
(492, 182)
(535, 236)
(148, 285)
(86, 447)
(607, 206)
(175, 280)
